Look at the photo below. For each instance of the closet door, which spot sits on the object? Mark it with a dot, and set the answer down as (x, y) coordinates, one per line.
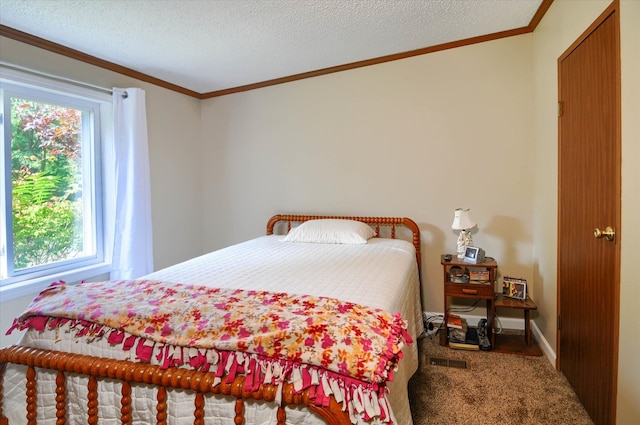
(589, 198)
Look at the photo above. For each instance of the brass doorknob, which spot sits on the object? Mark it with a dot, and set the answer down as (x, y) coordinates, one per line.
(608, 233)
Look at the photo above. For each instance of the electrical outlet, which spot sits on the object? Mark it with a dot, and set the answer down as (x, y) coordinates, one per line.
(432, 322)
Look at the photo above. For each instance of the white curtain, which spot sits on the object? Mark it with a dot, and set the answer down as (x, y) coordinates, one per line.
(132, 254)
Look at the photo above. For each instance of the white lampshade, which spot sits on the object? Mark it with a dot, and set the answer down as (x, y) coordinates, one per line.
(462, 219)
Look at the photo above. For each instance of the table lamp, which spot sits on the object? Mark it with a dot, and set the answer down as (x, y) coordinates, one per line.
(463, 221)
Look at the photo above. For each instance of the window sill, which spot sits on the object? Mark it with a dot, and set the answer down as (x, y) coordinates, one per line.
(34, 286)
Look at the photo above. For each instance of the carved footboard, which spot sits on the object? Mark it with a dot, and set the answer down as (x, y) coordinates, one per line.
(130, 373)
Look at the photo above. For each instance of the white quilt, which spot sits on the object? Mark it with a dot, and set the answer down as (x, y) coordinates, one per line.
(382, 274)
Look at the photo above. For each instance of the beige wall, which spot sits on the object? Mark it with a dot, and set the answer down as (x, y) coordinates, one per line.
(173, 121)
(411, 137)
(629, 373)
(174, 144)
(562, 25)
(474, 126)
(417, 137)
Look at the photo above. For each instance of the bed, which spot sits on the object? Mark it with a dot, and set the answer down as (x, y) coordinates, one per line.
(319, 268)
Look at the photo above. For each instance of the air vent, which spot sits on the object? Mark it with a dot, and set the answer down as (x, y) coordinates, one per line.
(439, 361)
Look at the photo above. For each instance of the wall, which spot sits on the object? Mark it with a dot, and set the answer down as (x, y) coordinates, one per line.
(417, 137)
(562, 25)
(174, 144)
(411, 138)
(628, 372)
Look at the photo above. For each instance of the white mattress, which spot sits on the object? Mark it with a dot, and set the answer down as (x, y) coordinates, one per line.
(382, 274)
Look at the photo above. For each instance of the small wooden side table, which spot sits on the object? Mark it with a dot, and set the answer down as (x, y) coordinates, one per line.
(484, 291)
(509, 346)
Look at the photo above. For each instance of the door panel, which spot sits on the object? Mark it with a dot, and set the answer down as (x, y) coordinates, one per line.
(589, 197)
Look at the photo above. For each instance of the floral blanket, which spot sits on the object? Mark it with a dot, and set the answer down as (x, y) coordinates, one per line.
(329, 346)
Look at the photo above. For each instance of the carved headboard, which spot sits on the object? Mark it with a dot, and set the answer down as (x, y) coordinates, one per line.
(383, 226)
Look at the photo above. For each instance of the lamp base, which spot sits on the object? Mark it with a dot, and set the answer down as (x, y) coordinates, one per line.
(464, 240)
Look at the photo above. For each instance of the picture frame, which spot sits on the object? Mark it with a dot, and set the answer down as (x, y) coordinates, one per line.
(473, 255)
(514, 288)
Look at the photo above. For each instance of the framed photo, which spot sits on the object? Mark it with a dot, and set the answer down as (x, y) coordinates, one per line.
(514, 288)
(473, 255)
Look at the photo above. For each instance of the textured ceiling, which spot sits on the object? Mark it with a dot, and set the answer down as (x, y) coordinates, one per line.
(211, 45)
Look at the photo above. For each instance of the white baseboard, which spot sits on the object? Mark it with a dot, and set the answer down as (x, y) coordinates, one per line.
(508, 323)
(543, 343)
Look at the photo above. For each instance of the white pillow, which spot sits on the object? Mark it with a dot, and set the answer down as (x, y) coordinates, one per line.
(331, 231)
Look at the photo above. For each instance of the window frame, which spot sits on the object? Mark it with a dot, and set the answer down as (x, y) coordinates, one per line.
(31, 280)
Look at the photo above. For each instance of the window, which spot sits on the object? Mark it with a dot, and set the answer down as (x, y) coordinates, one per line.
(51, 184)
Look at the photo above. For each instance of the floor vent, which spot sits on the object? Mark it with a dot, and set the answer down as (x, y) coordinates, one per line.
(439, 361)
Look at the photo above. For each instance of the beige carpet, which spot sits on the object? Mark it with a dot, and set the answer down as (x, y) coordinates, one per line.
(495, 389)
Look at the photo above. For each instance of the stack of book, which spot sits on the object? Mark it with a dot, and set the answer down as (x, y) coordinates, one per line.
(460, 335)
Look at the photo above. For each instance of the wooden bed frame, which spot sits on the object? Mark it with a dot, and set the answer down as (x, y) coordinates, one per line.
(201, 383)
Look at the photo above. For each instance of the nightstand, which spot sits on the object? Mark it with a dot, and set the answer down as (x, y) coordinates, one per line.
(513, 343)
(481, 290)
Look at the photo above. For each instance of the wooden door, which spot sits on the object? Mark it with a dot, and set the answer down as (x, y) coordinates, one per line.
(589, 198)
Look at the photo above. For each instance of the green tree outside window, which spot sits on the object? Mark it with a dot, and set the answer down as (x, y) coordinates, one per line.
(46, 179)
